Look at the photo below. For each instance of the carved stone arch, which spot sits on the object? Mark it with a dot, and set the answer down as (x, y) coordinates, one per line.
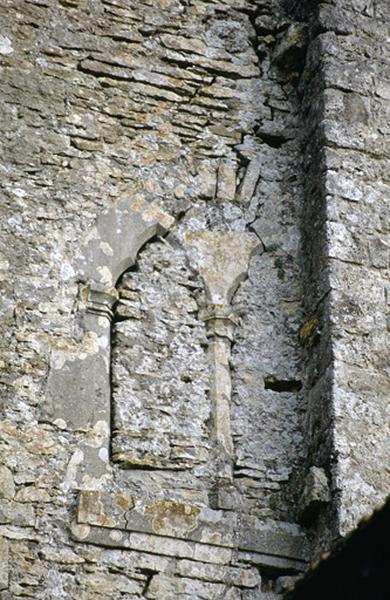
(113, 243)
(152, 429)
(78, 394)
(160, 368)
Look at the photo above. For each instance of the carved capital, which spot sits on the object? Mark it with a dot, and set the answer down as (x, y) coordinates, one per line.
(222, 260)
(220, 320)
(101, 302)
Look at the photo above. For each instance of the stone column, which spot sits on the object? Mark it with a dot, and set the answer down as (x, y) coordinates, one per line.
(220, 330)
(222, 260)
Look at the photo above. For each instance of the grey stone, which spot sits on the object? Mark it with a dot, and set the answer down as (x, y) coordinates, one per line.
(271, 537)
(316, 494)
(4, 563)
(7, 484)
(126, 128)
(163, 517)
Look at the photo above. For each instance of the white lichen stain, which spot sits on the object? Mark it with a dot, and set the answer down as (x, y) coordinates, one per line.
(80, 531)
(15, 221)
(116, 536)
(5, 45)
(103, 341)
(97, 435)
(105, 276)
(66, 272)
(103, 454)
(71, 471)
(106, 249)
(42, 62)
(19, 192)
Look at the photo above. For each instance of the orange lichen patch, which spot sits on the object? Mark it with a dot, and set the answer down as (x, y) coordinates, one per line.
(103, 510)
(124, 501)
(90, 508)
(128, 460)
(308, 328)
(171, 516)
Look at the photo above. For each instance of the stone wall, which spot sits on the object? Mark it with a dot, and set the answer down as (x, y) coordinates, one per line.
(194, 258)
(345, 89)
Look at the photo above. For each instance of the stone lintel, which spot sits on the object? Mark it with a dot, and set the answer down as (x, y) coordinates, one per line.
(165, 517)
(152, 544)
(273, 563)
(277, 538)
(119, 519)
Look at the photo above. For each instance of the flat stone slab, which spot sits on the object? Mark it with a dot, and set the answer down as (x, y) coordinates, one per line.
(119, 519)
(277, 538)
(152, 544)
(160, 517)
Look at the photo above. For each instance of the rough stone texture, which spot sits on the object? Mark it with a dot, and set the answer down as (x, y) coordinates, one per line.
(345, 87)
(171, 409)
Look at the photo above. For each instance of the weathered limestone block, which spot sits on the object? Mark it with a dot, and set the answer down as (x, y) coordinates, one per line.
(4, 563)
(154, 544)
(17, 513)
(207, 174)
(108, 583)
(165, 587)
(280, 539)
(162, 517)
(33, 494)
(244, 577)
(103, 509)
(64, 556)
(7, 484)
(226, 182)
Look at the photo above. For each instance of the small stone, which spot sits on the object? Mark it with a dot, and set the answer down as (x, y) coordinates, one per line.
(379, 252)
(5, 45)
(316, 494)
(7, 485)
(290, 51)
(4, 565)
(32, 494)
(226, 186)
